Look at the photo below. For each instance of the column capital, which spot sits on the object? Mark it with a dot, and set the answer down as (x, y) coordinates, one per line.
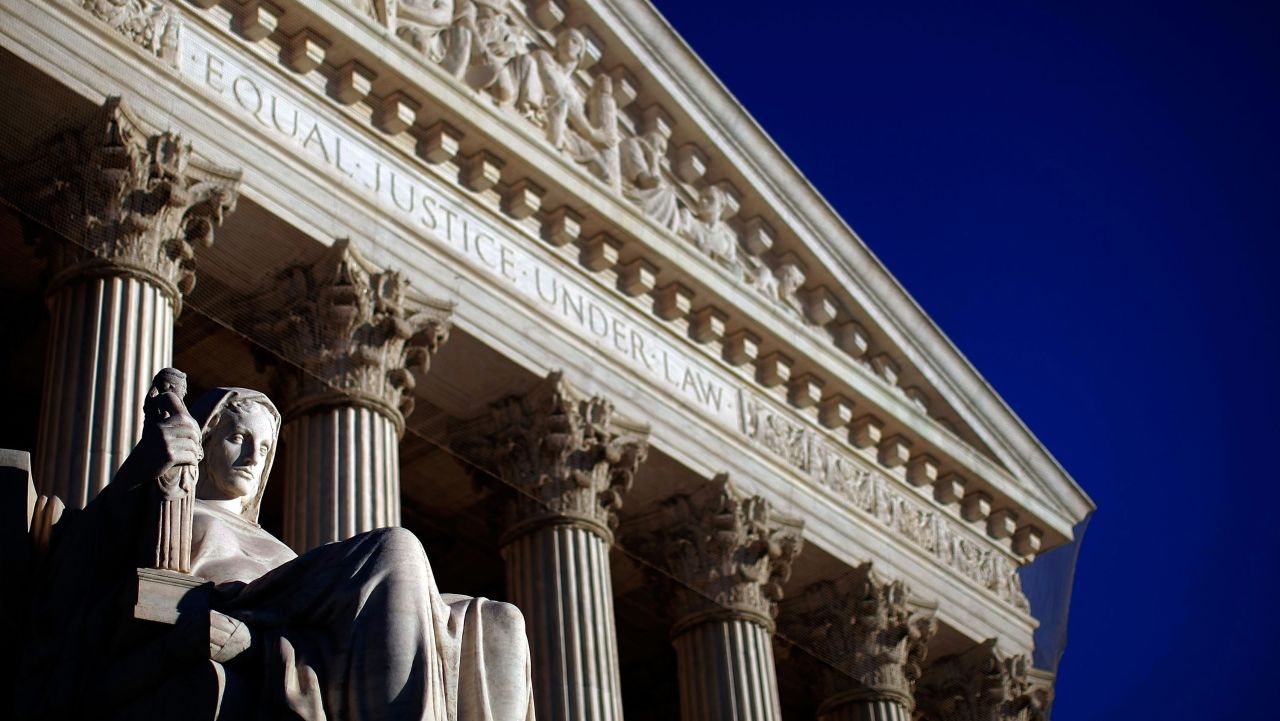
(349, 333)
(870, 633)
(729, 553)
(570, 457)
(114, 198)
(982, 684)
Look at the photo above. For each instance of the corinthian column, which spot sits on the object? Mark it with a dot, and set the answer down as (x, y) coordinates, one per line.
(872, 639)
(982, 684)
(119, 212)
(730, 555)
(570, 460)
(348, 338)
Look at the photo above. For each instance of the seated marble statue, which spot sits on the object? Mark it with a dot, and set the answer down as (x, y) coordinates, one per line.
(351, 630)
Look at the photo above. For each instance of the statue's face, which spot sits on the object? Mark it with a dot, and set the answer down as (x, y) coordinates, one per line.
(710, 206)
(570, 46)
(236, 453)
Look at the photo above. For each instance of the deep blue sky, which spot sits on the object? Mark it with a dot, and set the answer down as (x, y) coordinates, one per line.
(1085, 196)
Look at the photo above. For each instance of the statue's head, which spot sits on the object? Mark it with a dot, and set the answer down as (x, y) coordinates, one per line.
(712, 205)
(570, 46)
(239, 428)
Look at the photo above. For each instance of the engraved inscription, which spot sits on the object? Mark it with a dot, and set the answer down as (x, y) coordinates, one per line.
(427, 204)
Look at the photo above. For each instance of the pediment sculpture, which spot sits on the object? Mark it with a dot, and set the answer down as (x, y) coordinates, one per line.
(164, 598)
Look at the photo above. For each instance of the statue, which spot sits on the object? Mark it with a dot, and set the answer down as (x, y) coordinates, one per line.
(707, 229)
(781, 286)
(153, 26)
(585, 128)
(643, 182)
(497, 54)
(433, 29)
(598, 150)
(353, 630)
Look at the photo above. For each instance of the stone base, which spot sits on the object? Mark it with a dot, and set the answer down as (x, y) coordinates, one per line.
(163, 596)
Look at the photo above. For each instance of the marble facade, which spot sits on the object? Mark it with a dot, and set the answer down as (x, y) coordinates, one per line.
(520, 283)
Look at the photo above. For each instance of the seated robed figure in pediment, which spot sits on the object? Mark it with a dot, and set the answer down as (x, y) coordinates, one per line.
(242, 627)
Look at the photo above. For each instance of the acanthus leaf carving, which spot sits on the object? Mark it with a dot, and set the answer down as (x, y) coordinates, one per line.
(349, 333)
(871, 634)
(569, 457)
(981, 684)
(729, 553)
(112, 198)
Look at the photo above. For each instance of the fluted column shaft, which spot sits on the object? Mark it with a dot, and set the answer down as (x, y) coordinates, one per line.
(570, 460)
(729, 555)
(558, 575)
(344, 339)
(883, 709)
(342, 475)
(727, 672)
(110, 335)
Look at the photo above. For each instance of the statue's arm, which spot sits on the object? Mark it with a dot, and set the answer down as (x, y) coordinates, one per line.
(170, 438)
(145, 667)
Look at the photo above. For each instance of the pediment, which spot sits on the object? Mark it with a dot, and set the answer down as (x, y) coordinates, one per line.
(593, 121)
(700, 171)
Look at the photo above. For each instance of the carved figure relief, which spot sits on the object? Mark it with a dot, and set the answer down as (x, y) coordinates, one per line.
(585, 128)
(428, 25)
(781, 286)
(643, 180)
(497, 51)
(873, 494)
(150, 25)
(706, 228)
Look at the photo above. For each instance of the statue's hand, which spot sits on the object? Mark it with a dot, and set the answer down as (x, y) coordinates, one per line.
(170, 436)
(228, 637)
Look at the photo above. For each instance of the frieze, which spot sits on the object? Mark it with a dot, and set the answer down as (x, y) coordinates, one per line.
(905, 516)
(152, 26)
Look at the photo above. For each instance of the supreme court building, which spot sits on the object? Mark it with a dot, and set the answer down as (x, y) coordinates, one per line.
(524, 279)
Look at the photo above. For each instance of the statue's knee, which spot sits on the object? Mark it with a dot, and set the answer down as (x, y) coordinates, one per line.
(503, 618)
(399, 544)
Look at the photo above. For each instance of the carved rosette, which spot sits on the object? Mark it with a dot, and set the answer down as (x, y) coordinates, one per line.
(569, 457)
(729, 553)
(350, 334)
(872, 635)
(981, 684)
(114, 199)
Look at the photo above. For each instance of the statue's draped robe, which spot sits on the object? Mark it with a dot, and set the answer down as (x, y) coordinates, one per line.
(337, 632)
(330, 623)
